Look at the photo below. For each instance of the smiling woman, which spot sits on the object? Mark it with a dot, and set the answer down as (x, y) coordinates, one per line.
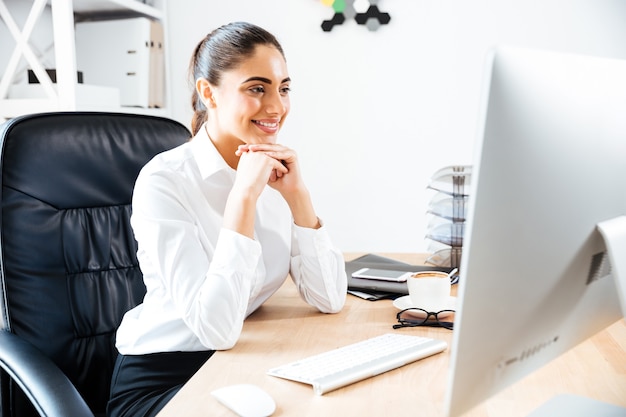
(220, 222)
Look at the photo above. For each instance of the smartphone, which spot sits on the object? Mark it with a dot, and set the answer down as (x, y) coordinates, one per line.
(382, 274)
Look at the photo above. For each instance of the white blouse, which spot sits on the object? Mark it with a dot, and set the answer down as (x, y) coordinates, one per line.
(203, 280)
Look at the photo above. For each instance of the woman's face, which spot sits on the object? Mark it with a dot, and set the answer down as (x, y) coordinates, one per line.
(252, 100)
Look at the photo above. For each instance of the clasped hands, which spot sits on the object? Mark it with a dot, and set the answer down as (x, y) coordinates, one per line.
(277, 166)
(268, 163)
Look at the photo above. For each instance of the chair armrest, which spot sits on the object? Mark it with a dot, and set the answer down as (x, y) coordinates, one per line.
(45, 385)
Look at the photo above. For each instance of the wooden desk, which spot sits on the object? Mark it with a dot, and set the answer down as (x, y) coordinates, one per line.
(286, 329)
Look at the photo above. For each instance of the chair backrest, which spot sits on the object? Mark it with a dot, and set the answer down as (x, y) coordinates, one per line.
(67, 253)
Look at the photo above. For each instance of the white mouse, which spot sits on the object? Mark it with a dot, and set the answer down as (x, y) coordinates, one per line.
(246, 400)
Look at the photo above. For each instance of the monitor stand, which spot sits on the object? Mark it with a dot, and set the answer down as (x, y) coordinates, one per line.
(576, 406)
(614, 233)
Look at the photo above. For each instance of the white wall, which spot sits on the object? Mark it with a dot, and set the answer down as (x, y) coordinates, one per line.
(374, 114)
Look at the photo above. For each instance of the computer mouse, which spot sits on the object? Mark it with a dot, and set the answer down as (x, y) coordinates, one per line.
(246, 400)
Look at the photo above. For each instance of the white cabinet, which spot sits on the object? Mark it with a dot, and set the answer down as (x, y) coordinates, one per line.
(126, 55)
(67, 93)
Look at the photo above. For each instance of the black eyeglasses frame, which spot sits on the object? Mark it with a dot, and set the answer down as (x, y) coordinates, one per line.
(423, 321)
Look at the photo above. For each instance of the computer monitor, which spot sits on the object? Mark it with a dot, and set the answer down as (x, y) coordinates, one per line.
(550, 166)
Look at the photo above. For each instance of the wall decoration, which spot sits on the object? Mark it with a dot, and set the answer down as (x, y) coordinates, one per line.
(364, 12)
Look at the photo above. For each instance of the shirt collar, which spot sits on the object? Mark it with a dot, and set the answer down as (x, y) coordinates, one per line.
(206, 155)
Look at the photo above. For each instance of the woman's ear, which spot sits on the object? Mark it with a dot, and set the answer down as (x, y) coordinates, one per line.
(205, 91)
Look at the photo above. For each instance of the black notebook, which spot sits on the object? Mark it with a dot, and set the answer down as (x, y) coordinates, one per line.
(372, 289)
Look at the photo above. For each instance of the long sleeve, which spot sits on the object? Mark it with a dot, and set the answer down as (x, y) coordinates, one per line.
(318, 269)
(208, 279)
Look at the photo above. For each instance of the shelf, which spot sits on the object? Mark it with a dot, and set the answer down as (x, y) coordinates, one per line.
(85, 9)
(18, 107)
(66, 94)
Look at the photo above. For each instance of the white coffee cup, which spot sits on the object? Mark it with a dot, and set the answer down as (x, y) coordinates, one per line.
(429, 290)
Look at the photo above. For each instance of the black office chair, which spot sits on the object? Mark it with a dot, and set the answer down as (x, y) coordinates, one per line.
(67, 253)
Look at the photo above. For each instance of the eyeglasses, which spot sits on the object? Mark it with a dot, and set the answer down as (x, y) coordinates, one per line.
(413, 317)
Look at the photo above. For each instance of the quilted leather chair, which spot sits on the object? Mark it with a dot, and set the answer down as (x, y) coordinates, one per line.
(67, 253)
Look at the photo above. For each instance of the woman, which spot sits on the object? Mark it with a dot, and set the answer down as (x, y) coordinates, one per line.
(221, 221)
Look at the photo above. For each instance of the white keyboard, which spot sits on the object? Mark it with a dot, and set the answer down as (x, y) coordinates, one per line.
(339, 367)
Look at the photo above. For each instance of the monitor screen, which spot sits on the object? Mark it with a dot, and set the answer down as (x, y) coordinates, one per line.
(550, 165)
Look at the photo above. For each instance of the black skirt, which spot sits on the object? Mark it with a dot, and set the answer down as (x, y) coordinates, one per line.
(143, 384)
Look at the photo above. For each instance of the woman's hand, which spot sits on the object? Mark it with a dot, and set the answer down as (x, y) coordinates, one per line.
(285, 178)
(253, 173)
(257, 169)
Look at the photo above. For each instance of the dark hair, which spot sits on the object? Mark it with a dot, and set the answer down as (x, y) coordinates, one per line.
(222, 50)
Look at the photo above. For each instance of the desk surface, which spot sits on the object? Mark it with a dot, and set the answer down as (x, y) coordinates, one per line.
(285, 329)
